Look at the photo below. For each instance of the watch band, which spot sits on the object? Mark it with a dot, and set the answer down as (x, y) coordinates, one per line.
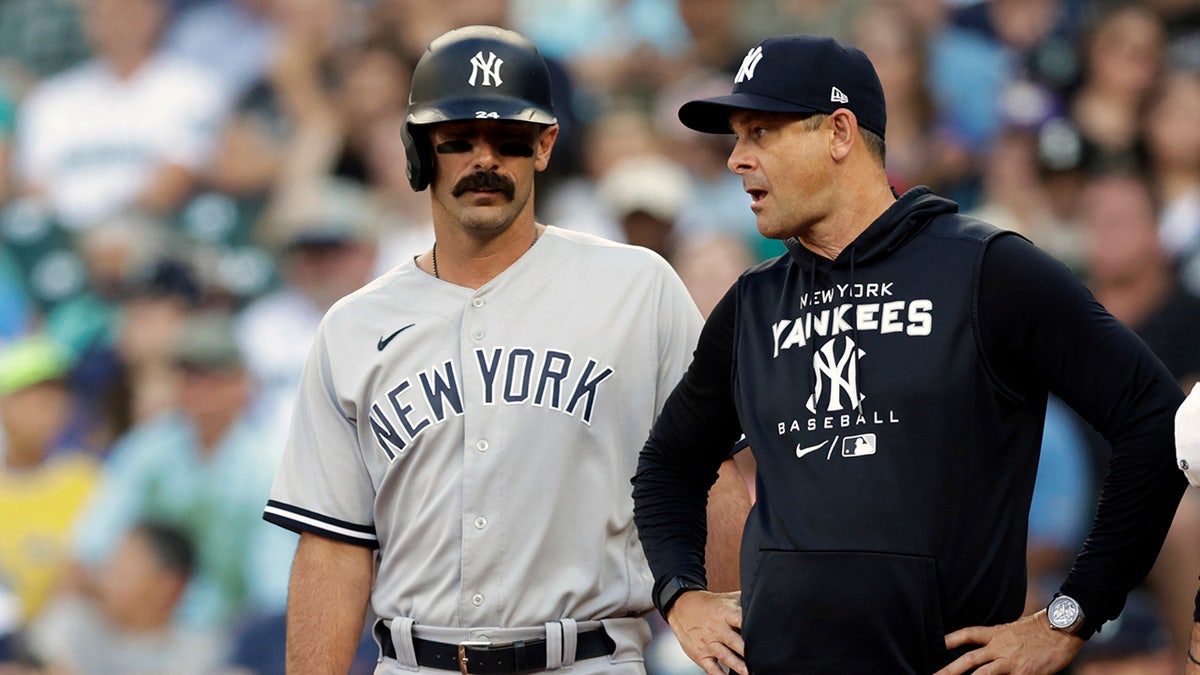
(670, 592)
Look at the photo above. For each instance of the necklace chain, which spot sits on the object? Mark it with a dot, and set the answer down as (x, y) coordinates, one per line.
(434, 252)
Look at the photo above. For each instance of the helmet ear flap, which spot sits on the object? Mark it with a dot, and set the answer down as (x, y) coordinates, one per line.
(419, 155)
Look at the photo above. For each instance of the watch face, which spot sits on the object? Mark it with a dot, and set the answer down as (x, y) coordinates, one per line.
(1063, 612)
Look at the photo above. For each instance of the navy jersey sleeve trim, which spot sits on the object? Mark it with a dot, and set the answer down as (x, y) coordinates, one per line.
(302, 520)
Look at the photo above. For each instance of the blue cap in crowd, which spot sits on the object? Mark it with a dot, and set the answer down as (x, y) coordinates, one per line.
(796, 74)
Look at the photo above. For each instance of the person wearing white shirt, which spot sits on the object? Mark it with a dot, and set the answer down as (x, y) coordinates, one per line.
(130, 129)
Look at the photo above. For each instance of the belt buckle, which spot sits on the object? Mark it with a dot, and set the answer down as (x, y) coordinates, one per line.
(462, 652)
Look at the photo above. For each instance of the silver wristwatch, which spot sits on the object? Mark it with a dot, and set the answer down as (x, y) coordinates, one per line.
(1065, 614)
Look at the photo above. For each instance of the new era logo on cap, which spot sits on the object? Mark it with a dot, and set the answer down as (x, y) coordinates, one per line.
(800, 74)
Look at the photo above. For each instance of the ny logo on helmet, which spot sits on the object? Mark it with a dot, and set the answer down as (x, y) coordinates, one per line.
(490, 68)
(841, 372)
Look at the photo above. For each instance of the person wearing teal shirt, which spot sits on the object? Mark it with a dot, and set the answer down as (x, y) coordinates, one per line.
(206, 468)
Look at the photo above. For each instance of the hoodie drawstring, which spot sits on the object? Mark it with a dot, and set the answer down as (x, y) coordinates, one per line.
(858, 375)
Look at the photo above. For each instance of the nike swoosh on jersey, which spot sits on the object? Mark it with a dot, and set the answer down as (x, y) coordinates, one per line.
(383, 342)
(800, 452)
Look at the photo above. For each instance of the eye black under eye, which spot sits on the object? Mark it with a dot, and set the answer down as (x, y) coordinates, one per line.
(453, 147)
(516, 149)
(506, 148)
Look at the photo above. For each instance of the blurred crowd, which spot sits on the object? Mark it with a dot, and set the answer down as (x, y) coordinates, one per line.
(186, 186)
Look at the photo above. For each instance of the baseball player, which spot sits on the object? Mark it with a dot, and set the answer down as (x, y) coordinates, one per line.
(467, 425)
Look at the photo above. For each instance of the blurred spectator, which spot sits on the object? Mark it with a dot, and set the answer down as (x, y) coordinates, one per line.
(1023, 195)
(325, 109)
(645, 195)
(321, 98)
(149, 125)
(207, 469)
(716, 43)
(985, 48)
(921, 148)
(717, 48)
(1129, 273)
(724, 206)
(371, 95)
(620, 135)
(1173, 144)
(128, 627)
(233, 39)
(708, 264)
(40, 494)
(112, 252)
(153, 307)
(327, 248)
(116, 326)
(1122, 52)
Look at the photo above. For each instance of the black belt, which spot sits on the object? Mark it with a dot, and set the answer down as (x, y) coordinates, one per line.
(482, 658)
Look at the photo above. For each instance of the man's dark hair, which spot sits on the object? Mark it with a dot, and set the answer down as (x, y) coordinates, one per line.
(874, 143)
(172, 547)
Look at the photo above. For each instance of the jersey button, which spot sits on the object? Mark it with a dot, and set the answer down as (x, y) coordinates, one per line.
(477, 599)
(482, 445)
(478, 334)
(478, 302)
(480, 523)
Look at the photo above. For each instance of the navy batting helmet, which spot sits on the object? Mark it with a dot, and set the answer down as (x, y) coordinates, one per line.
(477, 72)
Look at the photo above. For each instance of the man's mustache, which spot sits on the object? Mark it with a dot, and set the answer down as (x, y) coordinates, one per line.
(485, 180)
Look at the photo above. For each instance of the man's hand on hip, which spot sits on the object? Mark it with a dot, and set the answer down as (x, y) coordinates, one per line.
(1193, 655)
(707, 626)
(1027, 645)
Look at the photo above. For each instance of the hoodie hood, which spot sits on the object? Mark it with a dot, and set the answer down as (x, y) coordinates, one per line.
(894, 228)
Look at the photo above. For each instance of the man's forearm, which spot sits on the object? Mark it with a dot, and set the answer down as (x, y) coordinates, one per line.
(327, 601)
(728, 504)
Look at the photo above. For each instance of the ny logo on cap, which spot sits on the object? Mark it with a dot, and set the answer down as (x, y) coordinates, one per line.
(836, 96)
(746, 72)
(489, 67)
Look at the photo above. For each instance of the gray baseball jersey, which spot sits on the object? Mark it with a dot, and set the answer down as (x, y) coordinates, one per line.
(484, 440)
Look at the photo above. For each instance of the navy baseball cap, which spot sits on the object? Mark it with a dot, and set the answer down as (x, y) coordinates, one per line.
(796, 74)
